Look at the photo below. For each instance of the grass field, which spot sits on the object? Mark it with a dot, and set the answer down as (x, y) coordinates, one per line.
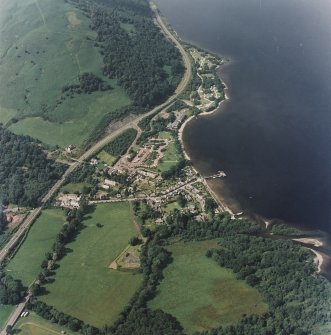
(201, 294)
(35, 325)
(106, 157)
(46, 45)
(171, 155)
(72, 188)
(171, 207)
(26, 263)
(84, 285)
(5, 312)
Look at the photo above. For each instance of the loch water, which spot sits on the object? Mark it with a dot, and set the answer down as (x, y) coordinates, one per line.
(273, 136)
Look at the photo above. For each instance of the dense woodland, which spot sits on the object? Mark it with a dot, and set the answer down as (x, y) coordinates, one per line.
(25, 171)
(134, 50)
(87, 83)
(11, 291)
(121, 143)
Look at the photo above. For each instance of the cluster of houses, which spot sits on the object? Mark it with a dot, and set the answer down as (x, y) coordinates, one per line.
(144, 158)
(107, 184)
(180, 116)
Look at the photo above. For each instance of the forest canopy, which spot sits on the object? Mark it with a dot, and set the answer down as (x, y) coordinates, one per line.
(25, 171)
(134, 50)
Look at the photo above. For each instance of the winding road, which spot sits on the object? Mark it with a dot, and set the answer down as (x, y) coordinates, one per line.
(95, 149)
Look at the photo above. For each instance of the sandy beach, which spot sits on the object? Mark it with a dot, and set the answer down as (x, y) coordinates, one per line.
(306, 240)
(318, 260)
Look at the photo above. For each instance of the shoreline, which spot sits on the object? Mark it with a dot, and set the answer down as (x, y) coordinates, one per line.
(185, 123)
(312, 241)
(318, 260)
(224, 207)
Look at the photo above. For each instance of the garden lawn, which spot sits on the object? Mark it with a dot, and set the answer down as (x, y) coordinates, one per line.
(201, 294)
(26, 263)
(84, 286)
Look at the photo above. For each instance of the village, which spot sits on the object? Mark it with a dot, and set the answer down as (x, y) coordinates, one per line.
(139, 174)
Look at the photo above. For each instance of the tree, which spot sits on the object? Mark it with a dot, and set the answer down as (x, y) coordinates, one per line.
(210, 205)
(182, 201)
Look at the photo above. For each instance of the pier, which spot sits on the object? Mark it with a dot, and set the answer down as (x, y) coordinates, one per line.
(219, 174)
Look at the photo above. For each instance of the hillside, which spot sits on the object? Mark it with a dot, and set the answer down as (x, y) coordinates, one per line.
(63, 79)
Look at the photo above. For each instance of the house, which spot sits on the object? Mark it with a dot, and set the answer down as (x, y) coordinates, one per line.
(70, 148)
(94, 162)
(109, 182)
(159, 221)
(69, 200)
(147, 174)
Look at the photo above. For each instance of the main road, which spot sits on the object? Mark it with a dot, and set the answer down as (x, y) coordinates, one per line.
(95, 149)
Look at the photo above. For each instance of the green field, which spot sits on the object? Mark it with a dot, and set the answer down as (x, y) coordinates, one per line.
(84, 285)
(106, 157)
(35, 325)
(171, 207)
(5, 312)
(201, 294)
(26, 263)
(73, 188)
(46, 45)
(171, 155)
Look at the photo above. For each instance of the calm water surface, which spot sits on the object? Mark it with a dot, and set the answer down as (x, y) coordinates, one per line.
(273, 137)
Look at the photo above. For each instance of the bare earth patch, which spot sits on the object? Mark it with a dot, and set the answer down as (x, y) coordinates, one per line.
(73, 19)
(127, 259)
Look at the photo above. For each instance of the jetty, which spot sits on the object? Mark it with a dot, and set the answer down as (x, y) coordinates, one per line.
(219, 174)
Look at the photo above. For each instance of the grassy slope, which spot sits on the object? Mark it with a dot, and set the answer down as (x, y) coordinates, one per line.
(35, 325)
(26, 263)
(84, 279)
(44, 47)
(201, 294)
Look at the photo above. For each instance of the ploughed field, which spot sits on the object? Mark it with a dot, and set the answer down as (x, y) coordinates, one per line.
(46, 45)
(200, 293)
(84, 286)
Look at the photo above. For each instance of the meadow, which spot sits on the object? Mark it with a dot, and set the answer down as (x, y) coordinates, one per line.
(46, 45)
(5, 312)
(201, 294)
(84, 286)
(35, 325)
(26, 263)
